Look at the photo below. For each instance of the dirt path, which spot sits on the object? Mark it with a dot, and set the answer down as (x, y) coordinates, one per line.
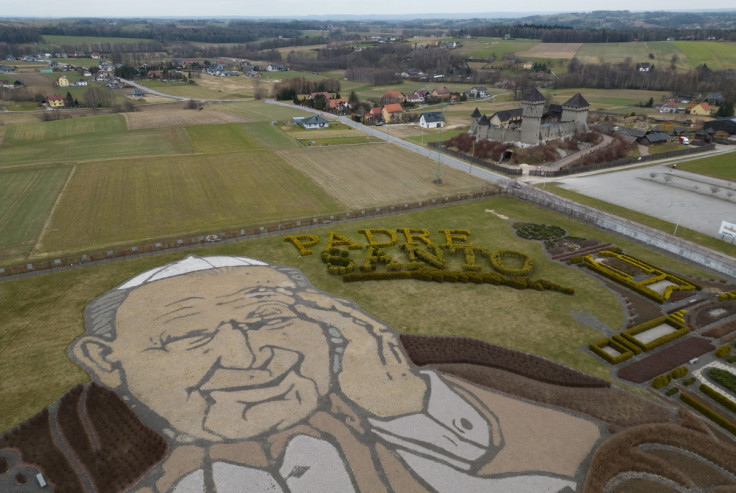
(643, 150)
(39, 242)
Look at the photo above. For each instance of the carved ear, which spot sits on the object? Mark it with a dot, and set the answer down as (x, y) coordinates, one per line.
(94, 355)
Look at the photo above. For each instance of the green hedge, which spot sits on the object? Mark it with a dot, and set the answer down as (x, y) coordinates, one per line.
(708, 413)
(661, 381)
(672, 391)
(689, 381)
(626, 343)
(731, 295)
(723, 351)
(718, 397)
(679, 372)
(497, 263)
(597, 348)
(723, 378)
(681, 330)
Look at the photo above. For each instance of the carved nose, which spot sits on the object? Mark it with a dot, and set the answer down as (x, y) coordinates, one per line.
(235, 350)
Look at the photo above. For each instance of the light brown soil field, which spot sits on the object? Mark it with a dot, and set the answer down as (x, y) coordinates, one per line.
(179, 117)
(344, 172)
(552, 50)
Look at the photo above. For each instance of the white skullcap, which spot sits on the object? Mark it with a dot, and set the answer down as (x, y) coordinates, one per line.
(186, 265)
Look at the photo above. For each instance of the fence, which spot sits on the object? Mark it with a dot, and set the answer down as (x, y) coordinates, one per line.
(620, 162)
(705, 257)
(233, 235)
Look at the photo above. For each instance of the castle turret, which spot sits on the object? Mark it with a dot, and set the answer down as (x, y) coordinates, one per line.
(532, 109)
(575, 110)
(474, 117)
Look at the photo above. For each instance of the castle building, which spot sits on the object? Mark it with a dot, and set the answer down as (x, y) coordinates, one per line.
(531, 124)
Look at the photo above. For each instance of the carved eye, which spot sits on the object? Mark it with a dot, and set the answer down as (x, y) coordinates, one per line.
(187, 342)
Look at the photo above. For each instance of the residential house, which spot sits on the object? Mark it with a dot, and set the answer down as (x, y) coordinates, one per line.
(81, 82)
(4, 69)
(55, 101)
(478, 92)
(715, 98)
(315, 121)
(154, 74)
(441, 92)
(391, 96)
(413, 73)
(276, 68)
(414, 98)
(338, 105)
(374, 115)
(137, 93)
(669, 107)
(62, 81)
(434, 119)
(701, 109)
(392, 113)
(645, 67)
(323, 93)
(96, 55)
(527, 66)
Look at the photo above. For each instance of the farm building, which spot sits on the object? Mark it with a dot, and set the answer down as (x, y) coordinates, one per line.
(701, 109)
(315, 121)
(434, 119)
(535, 124)
(56, 100)
(727, 125)
(392, 96)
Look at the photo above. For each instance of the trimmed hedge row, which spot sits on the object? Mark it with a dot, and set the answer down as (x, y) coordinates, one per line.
(672, 391)
(530, 231)
(497, 262)
(679, 372)
(673, 321)
(731, 295)
(724, 378)
(708, 413)
(441, 275)
(626, 343)
(625, 352)
(689, 381)
(642, 288)
(718, 397)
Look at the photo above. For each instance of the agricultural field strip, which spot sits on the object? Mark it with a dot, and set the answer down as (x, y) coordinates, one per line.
(39, 241)
(700, 375)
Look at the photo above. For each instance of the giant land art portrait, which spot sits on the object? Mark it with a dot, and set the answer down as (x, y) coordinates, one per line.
(231, 374)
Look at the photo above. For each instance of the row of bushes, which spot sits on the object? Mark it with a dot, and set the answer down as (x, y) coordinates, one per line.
(301, 242)
(675, 322)
(718, 397)
(731, 295)
(640, 287)
(625, 352)
(530, 231)
(440, 275)
(708, 413)
(497, 262)
(662, 381)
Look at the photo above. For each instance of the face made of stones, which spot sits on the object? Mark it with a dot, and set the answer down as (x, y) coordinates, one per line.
(222, 354)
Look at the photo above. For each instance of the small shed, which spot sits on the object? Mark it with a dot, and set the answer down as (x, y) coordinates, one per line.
(434, 119)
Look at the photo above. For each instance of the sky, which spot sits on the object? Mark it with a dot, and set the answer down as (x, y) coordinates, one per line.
(300, 8)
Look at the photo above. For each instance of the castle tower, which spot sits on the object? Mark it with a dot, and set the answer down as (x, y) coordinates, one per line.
(575, 110)
(474, 117)
(532, 109)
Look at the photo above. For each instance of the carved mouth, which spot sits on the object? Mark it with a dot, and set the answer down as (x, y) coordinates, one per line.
(274, 371)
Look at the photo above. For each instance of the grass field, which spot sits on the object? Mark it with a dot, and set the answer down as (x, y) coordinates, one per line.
(370, 175)
(169, 116)
(718, 55)
(717, 166)
(73, 127)
(544, 51)
(126, 201)
(146, 142)
(43, 314)
(184, 89)
(271, 136)
(226, 138)
(258, 111)
(26, 199)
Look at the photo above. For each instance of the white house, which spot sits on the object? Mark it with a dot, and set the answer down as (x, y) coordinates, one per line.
(314, 122)
(434, 119)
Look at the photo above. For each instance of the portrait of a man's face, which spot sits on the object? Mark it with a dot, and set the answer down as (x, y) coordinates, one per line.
(233, 352)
